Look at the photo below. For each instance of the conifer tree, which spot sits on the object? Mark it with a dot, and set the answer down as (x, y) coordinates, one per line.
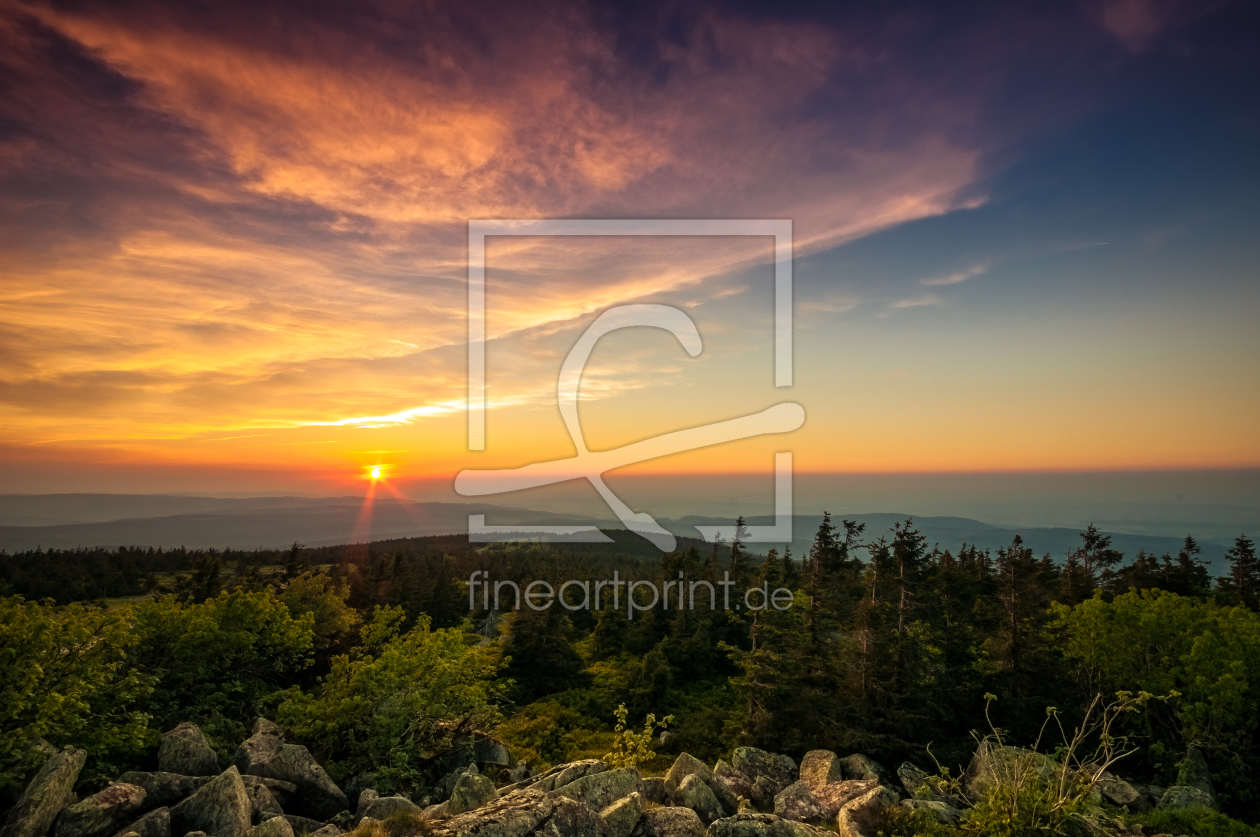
(1241, 586)
(541, 658)
(1085, 564)
(740, 564)
(1024, 593)
(1189, 576)
(791, 570)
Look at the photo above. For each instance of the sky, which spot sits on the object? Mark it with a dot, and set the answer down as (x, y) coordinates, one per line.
(233, 238)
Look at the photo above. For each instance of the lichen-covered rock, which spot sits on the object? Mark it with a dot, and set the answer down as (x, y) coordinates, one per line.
(653, 789)
(471, 792)
(623, 815)
(526, 811)
(163, 789)
(563, 774)
(156, 823)
(101, 812)
(764, 790)
(273, 827)
(220, 807)
(1179, 797)
(695, 793)
(797, 802)
(688, 765)
(1193, 772)
(329, 830)
(446, 785)
(520, 772)
(366, 797)
(257, 750)
(547, 780)
(859, 817)
(262, 725)
(685, 765)
(1122, 794)
(734, 781)
(186, 752)
(599, 790)
(355, 786)
(279, 788)
(942, 812)
(300, 825)
(669, 822)
(266, 755)
(920, 784)
(858, 766)
(993, 764)
(490, 750)
(262, 801)
(45, 796)
(912, 778)
(820, 768)
(757, 764)
(573, 819)
(835, 796)
(326, 831)
(763, 825)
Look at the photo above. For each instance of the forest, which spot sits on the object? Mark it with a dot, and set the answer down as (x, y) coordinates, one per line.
(376, 656)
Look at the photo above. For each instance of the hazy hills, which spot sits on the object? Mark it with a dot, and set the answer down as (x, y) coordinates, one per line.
(66, 521)
(173, 521)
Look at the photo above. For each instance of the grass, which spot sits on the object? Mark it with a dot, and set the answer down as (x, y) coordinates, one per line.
(1196, 822)
(397, 824)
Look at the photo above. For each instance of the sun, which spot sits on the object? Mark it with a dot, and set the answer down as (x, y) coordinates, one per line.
(376, 473)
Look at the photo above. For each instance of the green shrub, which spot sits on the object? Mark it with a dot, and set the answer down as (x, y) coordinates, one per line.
(65, 676)
(317, 594)
(215, 660)
(546, 732)
(398, 701)
(1196, 822)
(1029, 805)
(896, 821)
(1161, 642)
(629, 748)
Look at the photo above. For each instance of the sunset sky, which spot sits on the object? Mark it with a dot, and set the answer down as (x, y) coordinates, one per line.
(234, 236)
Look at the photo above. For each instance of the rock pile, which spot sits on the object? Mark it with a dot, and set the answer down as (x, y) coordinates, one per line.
(275, 788)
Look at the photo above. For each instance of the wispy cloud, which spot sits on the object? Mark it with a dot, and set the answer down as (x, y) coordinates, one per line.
(956, 277)
(917, 301)
(830, 302)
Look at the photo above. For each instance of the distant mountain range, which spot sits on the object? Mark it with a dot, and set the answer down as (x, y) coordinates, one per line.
(67, 521)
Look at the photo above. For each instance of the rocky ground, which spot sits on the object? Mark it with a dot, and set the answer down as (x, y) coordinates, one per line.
(275, 788)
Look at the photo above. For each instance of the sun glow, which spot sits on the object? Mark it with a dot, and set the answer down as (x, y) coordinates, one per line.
(375, 473)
